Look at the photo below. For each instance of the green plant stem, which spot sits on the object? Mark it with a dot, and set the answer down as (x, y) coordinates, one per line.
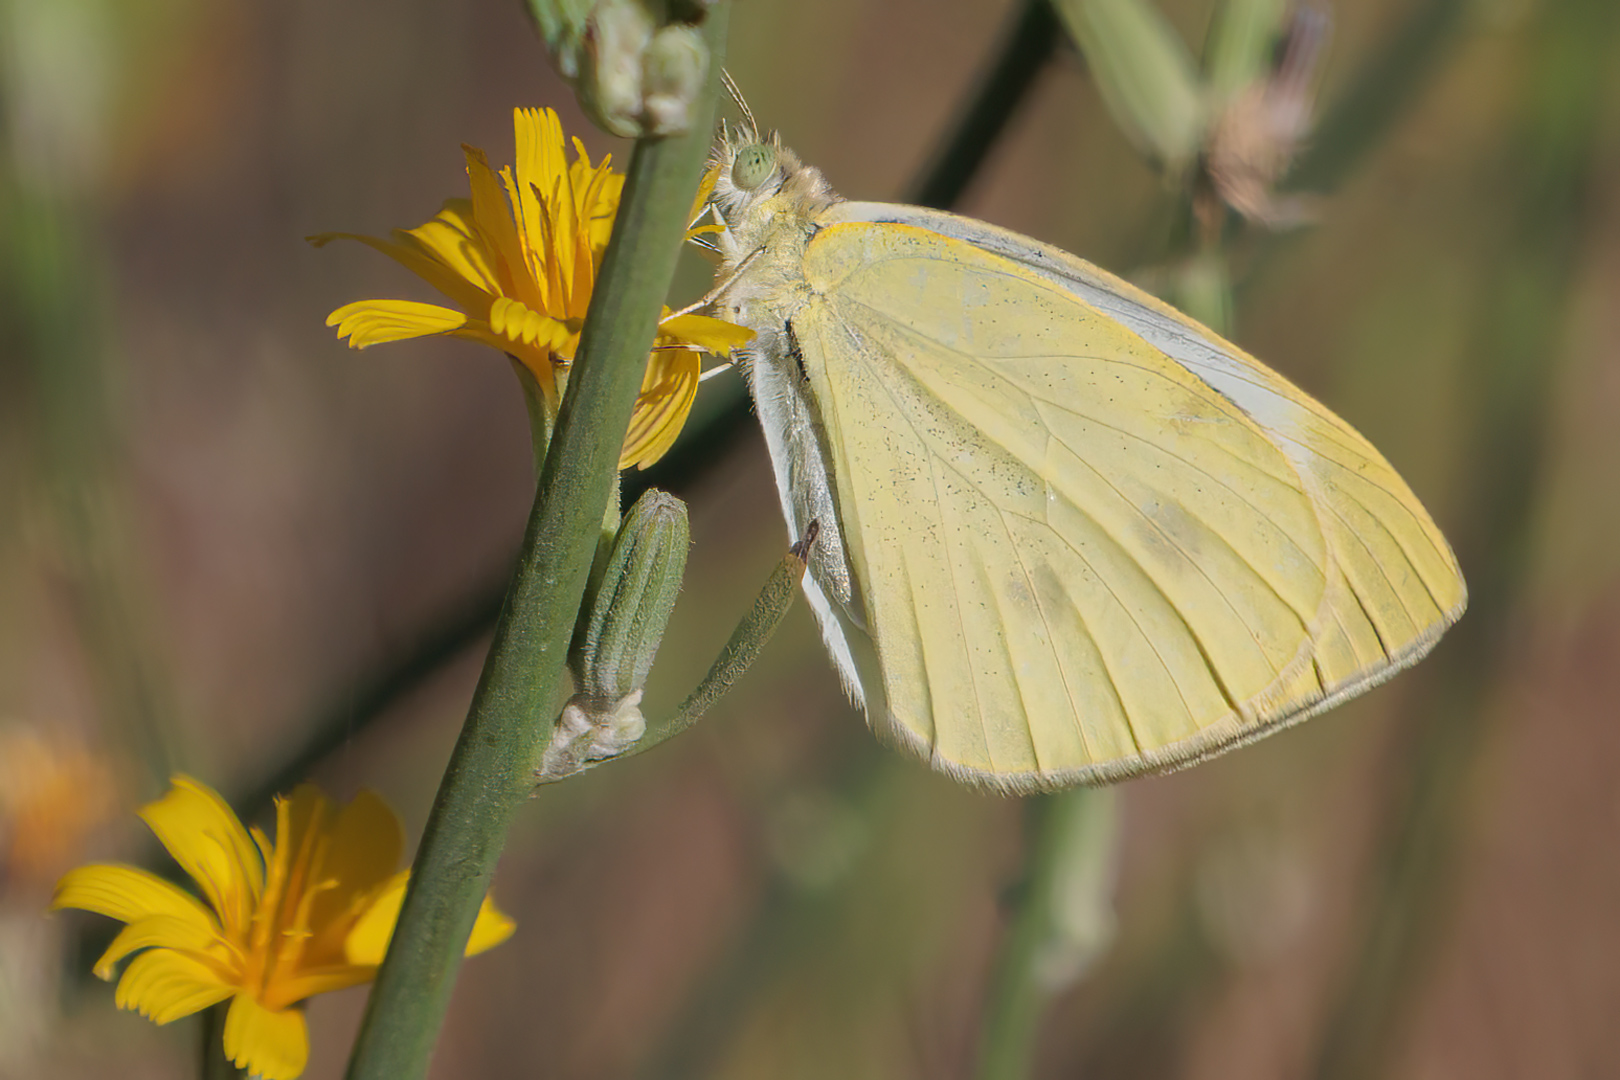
(786, 922)
(1015, 1002)
(214, 1065)
(491, 771)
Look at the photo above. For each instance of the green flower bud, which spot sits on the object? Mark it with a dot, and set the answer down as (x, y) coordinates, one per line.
(615, 645)
(1145, 75)
(672, 71)
(633, 600)
(562, 28)
(636, 65)
(1241, 40)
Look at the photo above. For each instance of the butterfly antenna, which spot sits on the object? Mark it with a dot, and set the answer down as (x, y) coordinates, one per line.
(736, 95)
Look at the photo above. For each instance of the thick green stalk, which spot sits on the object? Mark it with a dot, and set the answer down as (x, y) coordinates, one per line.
(509, 723)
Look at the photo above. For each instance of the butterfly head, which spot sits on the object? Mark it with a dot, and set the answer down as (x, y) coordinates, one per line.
(761, 186)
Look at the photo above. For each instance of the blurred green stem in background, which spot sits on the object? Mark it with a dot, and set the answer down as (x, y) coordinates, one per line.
(1378, 95)
(491, 772)
(55, 370)
(788, 920)
(1516, 355)
(1027, 46)
(1062, 920)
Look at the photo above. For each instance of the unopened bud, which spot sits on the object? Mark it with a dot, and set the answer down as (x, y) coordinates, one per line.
(634, 599)
(672, 71)
(636, 65)
(614, 648)
(1261, 129)
(1144, 73)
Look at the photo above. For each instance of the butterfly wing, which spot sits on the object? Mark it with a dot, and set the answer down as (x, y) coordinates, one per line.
(1089, 538)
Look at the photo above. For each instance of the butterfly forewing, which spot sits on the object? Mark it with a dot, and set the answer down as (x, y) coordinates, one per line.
(1078, 558)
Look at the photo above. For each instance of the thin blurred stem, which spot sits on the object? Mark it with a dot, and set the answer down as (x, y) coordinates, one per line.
(51, 326)
(1060, 913)
(1514, 357)
(1013, 1006)
(781, 921)
(1028, 45)
(1380, 94)
(438, 643)
(491, 771)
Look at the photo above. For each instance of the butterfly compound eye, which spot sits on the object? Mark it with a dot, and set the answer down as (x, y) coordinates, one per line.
(753, 166)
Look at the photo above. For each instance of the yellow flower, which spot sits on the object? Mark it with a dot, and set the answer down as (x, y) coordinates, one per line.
(53, 794)
(309, 913)
(521, 269)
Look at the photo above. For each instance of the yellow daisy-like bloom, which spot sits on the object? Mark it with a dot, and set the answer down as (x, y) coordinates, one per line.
(53, 794)
(520, 259)
(310, 912)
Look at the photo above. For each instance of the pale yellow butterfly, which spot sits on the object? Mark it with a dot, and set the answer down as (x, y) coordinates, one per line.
(1067, 534)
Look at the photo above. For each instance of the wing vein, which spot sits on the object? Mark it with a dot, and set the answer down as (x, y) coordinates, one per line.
(1157, 588)
(956, 593)
(1221, 402)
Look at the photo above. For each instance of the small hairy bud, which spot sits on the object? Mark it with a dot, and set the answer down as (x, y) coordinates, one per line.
(619, 637)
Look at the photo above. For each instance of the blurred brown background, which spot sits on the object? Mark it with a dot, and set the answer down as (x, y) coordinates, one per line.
(216, 522)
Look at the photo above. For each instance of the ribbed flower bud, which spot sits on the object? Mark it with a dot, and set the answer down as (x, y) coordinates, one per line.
(614, 650)
(632, 604)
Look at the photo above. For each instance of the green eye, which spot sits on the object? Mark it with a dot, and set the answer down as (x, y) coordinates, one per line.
(753, 166)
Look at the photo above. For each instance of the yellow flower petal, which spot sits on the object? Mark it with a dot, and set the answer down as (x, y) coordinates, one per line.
(269, 1044)
(452, 238)
(419, 259)
(309, 982)
(492, 927)
(368, 941)
(494, 222)
(127, 893)
(700, 204)
(163, 985)
(372, 322)
(711, 335)
(667, 392)
(277, 934)
(538, 137)
(599, 204)
(202, 943)
(521, 325)
(364, 843)
(207, 840)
